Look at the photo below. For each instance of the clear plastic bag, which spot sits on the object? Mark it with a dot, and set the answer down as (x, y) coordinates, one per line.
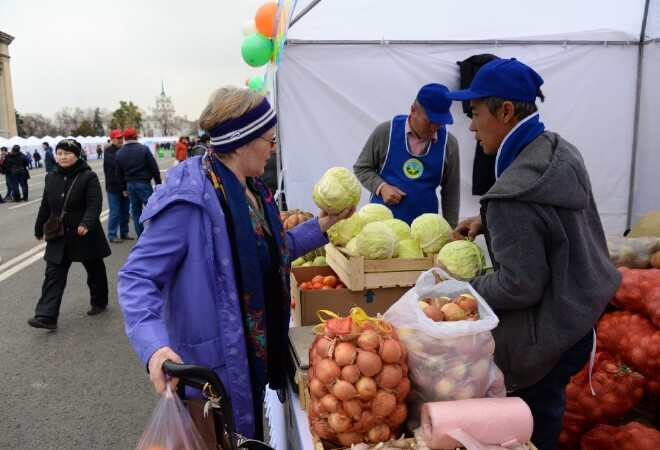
(635, 253)
(446, 360)
(170, 427)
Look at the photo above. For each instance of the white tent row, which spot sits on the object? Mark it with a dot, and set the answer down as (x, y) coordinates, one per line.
(350, 65)
(89, 143)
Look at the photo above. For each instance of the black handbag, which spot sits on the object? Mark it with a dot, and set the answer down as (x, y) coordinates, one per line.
(54, 226)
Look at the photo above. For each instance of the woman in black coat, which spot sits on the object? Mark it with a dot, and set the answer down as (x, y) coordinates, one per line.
(83, 238)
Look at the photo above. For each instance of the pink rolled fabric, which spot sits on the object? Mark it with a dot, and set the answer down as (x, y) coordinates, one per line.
(476, 424)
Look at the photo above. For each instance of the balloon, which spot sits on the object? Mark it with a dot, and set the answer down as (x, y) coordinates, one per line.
(256, 49)
(265, 18)
(256, 83)
(249, 27)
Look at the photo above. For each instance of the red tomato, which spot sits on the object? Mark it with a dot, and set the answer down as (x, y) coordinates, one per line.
(317, 285)
(340, 286)
(325, 288)
(304, 285)
(330, 281)
(317, 279)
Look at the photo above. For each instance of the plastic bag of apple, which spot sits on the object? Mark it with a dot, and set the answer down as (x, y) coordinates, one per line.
(446, 327)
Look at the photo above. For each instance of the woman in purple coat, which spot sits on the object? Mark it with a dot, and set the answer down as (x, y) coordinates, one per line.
(207, 282)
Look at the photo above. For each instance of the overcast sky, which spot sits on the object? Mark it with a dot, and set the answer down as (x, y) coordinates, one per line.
(91, 53)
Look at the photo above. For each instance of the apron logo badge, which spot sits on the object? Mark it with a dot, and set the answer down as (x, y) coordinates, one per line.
(413, 168)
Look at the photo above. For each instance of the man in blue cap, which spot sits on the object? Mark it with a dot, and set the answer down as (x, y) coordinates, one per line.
(553, 277)
(405, 159)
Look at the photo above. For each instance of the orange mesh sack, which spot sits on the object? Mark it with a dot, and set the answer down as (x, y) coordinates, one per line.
(632, 436)
(640, 292)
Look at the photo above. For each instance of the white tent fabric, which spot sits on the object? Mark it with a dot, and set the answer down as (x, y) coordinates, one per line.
(331, 94)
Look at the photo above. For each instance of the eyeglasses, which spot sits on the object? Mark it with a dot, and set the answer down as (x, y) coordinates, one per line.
(272, 142)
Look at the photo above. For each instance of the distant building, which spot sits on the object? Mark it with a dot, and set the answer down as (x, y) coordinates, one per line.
(164, 122)
(7, 111)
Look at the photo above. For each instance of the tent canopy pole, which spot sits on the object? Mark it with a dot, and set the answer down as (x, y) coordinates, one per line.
(638, 99)
(304, 11)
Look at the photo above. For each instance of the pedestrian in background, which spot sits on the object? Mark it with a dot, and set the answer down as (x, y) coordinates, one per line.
(28, 156)
(99, 151)
(68, 219)
(16, 168)
(49, 158)
(136, 167)
(202, 147)
(3, 155)
(181, 149)
(117, 203)
(37, 158)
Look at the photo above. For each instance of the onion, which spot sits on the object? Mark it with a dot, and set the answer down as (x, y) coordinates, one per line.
(350, 373)
(423, 305)
(403, 389)
(339, 422)
(322, 429)
(398, 416)
(369, 340)
(467, 303)
(327, 371)
(347, 439)
(329, 403)
(316, 388)
(315, 410)
(379, 433)
(444, 388)
(345, 354)
(369, 363)
(390, 351)
(366, 388)
(323, 346)
(383, 404)
(453, 312)
(439, 302)
(344, 390)
(390, 376)
(434, 313)
(353, 408)
(366, 422)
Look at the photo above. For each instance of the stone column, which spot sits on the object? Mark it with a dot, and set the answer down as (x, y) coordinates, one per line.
(7, 111)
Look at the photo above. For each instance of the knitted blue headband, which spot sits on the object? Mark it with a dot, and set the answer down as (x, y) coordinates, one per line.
(234, 133)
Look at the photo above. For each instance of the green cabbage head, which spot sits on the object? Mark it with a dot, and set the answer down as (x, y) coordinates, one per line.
(375, 212)
(337, 190)
(376, 241)
(432, 232)
(410, 249)
(351, 247)
(345, 230)
(463, 260)
(400, 228)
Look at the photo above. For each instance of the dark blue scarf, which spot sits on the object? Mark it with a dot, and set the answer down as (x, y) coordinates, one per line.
(522, 134)
(265, 304)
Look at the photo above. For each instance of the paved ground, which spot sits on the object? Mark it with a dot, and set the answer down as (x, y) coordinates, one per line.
(80, 387)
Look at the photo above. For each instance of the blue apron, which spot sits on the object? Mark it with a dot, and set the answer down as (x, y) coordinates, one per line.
(417, 176)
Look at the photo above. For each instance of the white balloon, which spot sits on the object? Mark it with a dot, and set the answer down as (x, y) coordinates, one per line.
(249, 27)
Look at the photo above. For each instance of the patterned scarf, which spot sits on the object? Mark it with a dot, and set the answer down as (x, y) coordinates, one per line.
(265, 305)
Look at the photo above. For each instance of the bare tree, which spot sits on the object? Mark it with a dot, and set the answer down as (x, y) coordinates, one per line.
(38, 125)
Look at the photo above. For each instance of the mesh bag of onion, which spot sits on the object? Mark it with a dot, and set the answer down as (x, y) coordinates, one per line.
(358, 379)
(448, 360)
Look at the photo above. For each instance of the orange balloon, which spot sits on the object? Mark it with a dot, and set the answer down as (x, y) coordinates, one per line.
(265, 18)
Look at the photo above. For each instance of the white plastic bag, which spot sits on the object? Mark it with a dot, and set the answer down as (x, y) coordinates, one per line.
(170, 427)
(446, 360)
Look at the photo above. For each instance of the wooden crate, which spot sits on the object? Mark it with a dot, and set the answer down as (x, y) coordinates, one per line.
(358, 273)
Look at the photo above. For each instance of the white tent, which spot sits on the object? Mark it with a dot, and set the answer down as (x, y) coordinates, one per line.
(350, 65)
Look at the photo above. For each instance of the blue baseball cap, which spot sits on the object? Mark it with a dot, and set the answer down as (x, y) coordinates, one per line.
(505, 78)
(435, 100)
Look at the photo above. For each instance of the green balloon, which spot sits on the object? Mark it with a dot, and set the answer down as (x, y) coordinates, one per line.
(256, 83)
(256, 49)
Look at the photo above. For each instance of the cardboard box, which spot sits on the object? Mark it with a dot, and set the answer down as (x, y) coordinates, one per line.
(306, 303)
